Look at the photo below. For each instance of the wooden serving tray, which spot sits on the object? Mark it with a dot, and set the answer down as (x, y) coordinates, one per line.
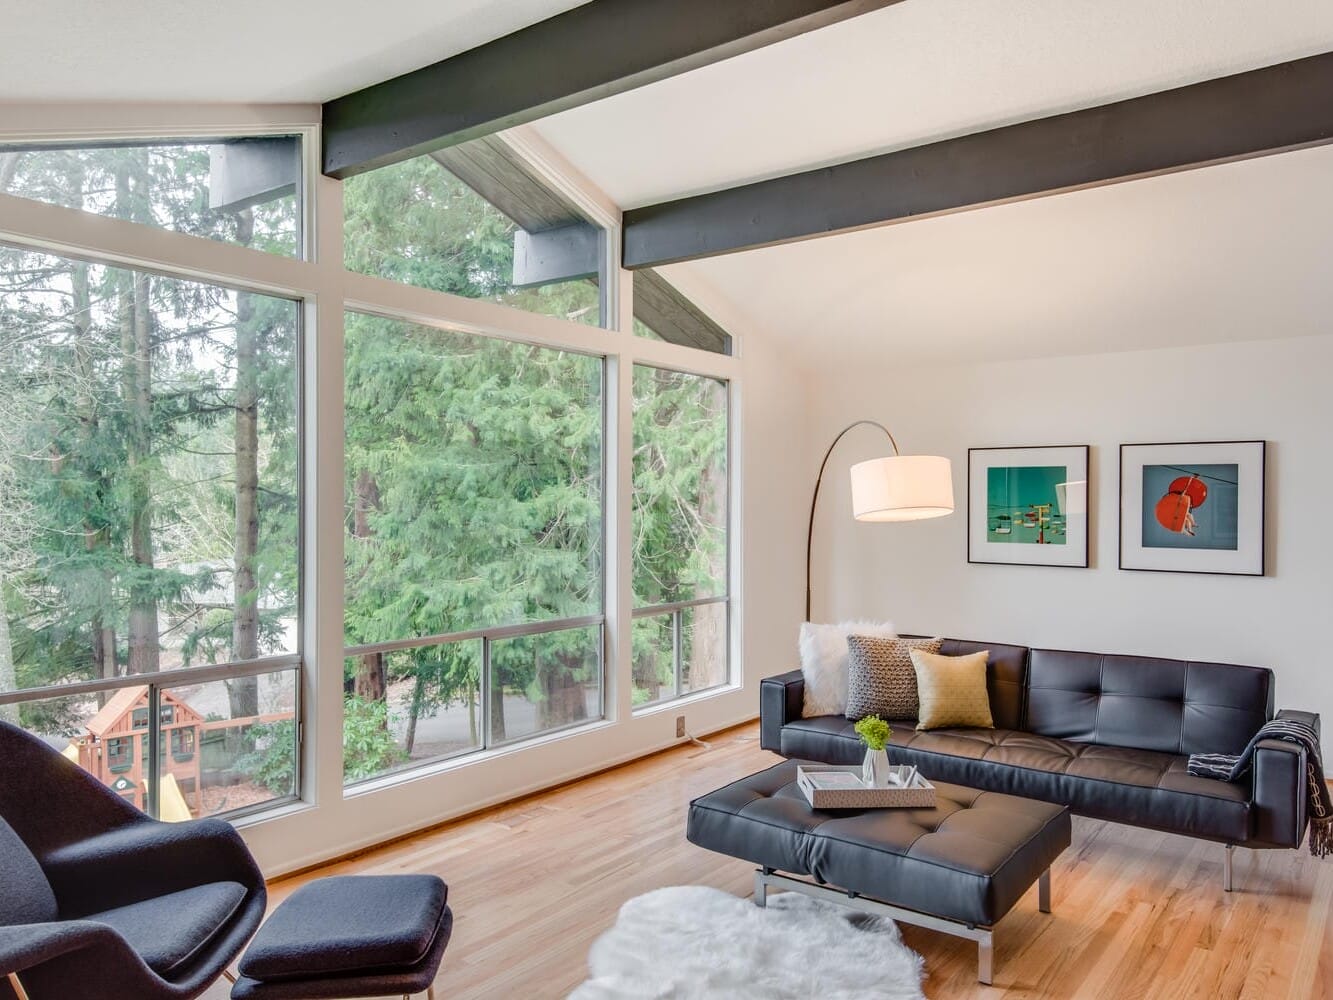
(920, 794)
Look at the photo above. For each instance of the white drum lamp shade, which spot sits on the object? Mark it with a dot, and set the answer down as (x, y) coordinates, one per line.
(902, 488)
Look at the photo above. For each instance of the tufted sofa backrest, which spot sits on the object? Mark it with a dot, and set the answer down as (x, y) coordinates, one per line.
(1172, 706)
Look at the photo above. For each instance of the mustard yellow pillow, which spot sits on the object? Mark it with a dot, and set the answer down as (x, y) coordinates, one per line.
(952, 690)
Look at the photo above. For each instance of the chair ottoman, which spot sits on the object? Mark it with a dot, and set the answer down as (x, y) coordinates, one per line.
(350, 936)
(956, 868)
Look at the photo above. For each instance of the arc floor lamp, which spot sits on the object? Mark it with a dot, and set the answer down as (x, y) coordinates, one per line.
(892, 488)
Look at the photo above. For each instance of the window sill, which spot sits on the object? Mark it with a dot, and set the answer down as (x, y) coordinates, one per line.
(468, 758)
(693, 697)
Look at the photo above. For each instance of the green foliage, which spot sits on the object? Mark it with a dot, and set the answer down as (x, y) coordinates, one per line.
(272, 762)
(874, 732)
(474, 466)
(118, 398)
(368, 747)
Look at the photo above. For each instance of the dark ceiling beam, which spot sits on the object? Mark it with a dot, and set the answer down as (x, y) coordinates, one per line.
(601, 48)
(1269, 110)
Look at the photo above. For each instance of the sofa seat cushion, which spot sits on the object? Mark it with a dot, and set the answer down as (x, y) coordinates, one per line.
(1139, 787)
(167, 931)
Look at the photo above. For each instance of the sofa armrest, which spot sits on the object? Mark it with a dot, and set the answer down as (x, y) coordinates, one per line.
(781, 699)
(1311, 719)
(1280, 793)
(145, 860)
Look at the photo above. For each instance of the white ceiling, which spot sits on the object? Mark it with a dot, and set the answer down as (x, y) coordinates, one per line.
(236, 51)
(914, 72)
(1235, 252)
(1239, 251)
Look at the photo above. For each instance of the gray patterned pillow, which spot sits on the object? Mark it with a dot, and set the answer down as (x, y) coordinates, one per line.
(881, 679)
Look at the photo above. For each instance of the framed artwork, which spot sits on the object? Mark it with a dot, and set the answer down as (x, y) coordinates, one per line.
(1028, 506)
(1195, 507)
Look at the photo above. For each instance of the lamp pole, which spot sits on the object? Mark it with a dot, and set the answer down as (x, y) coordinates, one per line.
(810, 532)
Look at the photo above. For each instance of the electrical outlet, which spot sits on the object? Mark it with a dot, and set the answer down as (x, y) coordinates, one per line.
(680, 726)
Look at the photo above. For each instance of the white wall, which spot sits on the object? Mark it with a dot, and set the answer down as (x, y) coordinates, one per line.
(917, 575)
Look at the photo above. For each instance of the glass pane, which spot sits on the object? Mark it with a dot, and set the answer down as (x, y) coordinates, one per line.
(661, 312)
(410, 706)
(703, 647)
(680, 486)
(654, 659)
(474, 482)
(148, 472)
(232, 745)
(474, 221)
(242, 191)
(543, 682)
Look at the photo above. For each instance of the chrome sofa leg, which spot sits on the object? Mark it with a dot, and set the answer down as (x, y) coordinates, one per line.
(760, 889)
(14, 983)
(1226, 867)
(986, 960)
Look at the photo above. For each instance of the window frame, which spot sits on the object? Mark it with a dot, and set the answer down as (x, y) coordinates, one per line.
(726, 599)
(323, 808)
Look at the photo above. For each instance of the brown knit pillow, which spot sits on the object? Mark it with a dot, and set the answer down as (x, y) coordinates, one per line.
(880, 677)
(952, 690)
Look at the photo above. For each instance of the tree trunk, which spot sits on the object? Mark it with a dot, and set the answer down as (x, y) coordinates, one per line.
(370, 682)
(8, 673)
(418, 696)
(137, 379)
(144, 642)
(562, 701)
(497, 709)
(243, 692)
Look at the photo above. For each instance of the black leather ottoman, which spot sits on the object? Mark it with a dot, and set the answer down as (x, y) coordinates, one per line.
(958, 868)
(350, 936)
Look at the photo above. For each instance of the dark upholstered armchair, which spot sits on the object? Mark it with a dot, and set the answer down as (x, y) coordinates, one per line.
(99, 902)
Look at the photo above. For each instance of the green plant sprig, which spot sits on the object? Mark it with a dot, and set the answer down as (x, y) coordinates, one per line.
(874, 732)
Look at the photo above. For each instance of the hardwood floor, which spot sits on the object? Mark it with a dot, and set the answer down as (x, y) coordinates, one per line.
(1136, 914)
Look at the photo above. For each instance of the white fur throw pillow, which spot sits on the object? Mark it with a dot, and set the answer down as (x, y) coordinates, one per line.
(824, 663)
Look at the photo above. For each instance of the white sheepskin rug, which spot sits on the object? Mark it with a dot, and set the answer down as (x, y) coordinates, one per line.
(694, 942)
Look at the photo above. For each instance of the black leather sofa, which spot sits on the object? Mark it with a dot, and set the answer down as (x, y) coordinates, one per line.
(1106, 735)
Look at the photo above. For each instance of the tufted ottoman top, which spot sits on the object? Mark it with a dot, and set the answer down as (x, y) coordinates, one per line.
(968, 859)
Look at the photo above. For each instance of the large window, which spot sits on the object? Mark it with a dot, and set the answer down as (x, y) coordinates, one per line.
(242, 191)
(473, 542)
(155, 518)
(680, 534)
(474, 220)
(148, 507)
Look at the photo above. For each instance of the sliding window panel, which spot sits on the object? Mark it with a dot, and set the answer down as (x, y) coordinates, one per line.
(680, 486)
(474, 482)
(654, 669)
(149, 473)
(408, 707)
(475, 220)
(228, 748)
(543, 683)
(704, 647)
(245, 191)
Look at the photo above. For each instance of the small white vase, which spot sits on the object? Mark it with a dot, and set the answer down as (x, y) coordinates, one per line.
(875, 769)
